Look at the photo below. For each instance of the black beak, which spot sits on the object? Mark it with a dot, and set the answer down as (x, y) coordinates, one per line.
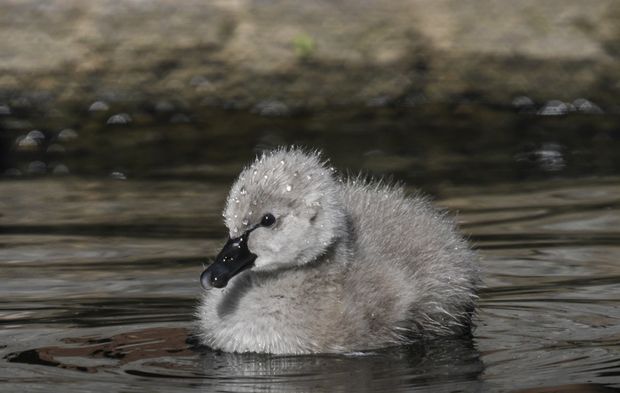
(233, 259)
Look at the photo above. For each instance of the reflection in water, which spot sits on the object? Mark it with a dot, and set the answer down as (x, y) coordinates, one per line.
(447, 366)
(164, 353)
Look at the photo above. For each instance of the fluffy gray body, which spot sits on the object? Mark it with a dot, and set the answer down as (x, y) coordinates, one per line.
(349, 265)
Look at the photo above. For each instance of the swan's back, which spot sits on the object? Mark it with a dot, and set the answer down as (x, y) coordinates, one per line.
(417, 272)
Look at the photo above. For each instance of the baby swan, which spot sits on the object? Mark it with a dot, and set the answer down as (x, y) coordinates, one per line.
(314, 264)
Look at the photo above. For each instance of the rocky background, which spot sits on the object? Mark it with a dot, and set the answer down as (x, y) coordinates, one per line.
(274, 56)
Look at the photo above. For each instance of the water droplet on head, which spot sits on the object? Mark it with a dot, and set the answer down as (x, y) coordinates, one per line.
(250, 213)
(281, 162)
(289, 187)
(237, 200)
(266, 177)
(295, 174)
(309, 177)
(255, 172)
(245, 221)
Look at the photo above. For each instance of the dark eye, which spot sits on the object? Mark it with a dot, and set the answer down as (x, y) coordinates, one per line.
(267, 220)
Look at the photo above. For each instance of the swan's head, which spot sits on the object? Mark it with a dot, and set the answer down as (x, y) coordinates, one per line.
(284, 210)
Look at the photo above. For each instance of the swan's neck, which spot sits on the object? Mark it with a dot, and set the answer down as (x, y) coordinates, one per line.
(340, 250)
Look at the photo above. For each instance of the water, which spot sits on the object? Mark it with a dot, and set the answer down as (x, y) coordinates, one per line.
(100, 268)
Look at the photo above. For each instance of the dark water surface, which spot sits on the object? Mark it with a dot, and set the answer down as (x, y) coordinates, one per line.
(99, 268)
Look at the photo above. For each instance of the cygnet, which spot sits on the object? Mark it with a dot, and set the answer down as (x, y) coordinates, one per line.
(319, 263)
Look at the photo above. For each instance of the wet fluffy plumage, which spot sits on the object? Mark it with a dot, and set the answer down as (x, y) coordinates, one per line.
(349, 265)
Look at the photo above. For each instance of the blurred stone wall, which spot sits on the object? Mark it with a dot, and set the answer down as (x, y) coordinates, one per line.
(310, 54)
